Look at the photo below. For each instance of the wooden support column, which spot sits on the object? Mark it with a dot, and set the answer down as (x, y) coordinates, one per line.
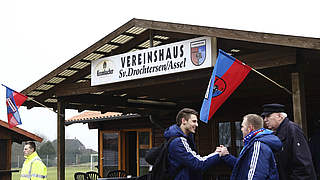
(5, 159)
(298, 99)
(61, 140)
(9, 149)
(100, 160)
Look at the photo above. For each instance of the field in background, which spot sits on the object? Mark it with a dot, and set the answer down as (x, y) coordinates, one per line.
(52, 172)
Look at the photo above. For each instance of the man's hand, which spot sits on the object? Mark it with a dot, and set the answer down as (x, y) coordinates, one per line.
(222, 150)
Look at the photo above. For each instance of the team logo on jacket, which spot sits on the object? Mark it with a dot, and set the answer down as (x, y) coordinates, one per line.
(198, 52)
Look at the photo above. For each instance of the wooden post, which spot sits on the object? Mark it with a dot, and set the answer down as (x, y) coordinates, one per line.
(60, 140)
(298, 99)
(151, 39)
(9, 149)
(100, 165)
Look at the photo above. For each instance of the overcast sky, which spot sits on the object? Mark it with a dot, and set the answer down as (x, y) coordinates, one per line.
(37, 36)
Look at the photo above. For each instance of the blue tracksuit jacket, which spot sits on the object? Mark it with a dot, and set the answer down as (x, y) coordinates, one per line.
(256, 160)
(182, 153)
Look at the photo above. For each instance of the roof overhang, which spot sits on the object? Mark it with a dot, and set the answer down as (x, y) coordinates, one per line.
(71, 81)
(16, 134)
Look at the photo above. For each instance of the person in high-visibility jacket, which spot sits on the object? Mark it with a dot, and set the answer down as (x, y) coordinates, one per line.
(33, 168)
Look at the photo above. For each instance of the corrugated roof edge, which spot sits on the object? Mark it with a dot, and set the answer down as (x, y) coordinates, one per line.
(104, 118)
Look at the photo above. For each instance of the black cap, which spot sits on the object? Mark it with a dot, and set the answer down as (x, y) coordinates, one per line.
(272, 108)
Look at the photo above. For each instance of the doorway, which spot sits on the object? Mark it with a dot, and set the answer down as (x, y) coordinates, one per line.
(124, 150)
(131, 152)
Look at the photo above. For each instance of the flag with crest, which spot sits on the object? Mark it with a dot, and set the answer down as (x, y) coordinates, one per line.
(14, 100)
(227, 75)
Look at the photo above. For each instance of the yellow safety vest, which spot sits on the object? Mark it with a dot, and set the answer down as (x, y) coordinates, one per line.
(33, 168)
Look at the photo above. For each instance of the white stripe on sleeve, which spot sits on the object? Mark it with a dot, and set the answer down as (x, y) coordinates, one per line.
(194, 154)
(254, 160)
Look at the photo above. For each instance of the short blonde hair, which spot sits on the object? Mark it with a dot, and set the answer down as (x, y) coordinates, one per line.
(255, 120)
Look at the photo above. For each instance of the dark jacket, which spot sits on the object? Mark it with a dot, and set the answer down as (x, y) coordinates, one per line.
(256, 160)
(294, 160)
(314, 144)
(182, 154)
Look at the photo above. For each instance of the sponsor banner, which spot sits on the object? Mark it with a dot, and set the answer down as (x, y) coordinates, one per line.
(166, 59)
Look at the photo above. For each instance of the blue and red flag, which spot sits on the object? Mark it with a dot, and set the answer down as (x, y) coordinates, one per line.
(14, 100)
(227, 75)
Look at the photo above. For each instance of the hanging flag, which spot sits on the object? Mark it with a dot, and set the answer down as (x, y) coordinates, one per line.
(227, 75)
(14, 100)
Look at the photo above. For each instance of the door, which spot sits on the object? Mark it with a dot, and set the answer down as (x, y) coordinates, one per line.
(125, 150)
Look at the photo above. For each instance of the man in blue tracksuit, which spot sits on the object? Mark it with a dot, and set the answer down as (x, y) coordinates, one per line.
(184, 162)
(256, 160)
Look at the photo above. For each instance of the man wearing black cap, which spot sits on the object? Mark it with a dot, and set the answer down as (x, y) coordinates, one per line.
(294, 160)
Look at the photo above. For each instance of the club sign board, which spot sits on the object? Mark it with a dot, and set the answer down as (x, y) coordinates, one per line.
(176, 57)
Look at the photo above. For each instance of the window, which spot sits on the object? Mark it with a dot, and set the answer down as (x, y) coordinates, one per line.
(239, 139)
(230, 135)
(125, 150)
(110, 152)
(225, 134)
(144, 146)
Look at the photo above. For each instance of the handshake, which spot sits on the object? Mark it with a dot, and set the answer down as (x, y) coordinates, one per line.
(222, 150)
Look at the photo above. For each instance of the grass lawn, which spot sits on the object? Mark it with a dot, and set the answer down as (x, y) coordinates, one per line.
(52, 172)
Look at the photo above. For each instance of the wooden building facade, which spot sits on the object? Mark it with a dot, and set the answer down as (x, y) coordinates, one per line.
(289, 60)
(7, 137)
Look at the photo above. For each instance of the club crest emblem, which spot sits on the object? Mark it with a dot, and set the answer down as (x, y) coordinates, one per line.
(219, 87)
(198, 52)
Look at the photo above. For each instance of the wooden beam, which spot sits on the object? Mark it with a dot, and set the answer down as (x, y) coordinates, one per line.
(103, 108)
(9, 150)
(175, 35)
(96, 99)
(86, 88)
(113, 102)
(299, 93)
(228, 44)
(5, 159)
(73, 69)
(150, 38)
(60, 140)
(17, 134)
(298, 100)
(270, 58)
(100, 151)
(114, 43)
(266, 38)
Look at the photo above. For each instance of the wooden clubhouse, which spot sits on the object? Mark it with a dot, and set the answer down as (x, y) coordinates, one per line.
(150, 104)
(7, 137)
